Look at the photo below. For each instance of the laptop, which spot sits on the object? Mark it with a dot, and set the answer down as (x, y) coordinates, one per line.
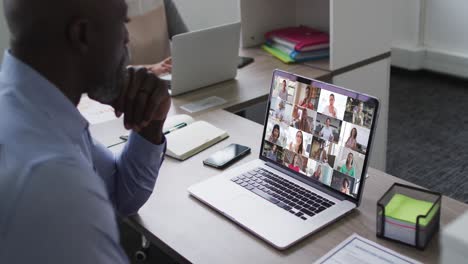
(311, 169)
(204, 57)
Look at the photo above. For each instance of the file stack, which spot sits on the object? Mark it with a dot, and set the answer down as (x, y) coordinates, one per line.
(297, 44)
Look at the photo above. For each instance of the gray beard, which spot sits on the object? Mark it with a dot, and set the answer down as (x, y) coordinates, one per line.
(109, 91)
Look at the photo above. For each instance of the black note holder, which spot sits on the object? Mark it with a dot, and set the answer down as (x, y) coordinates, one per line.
(414, 234)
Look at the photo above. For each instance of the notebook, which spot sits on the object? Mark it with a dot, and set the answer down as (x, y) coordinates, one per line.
(191, 138)
(298, 38)
(295, 56)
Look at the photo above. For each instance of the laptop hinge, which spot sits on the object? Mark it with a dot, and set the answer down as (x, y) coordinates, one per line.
(301, 179)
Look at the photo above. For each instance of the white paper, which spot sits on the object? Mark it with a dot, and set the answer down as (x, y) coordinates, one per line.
(358, 250)
(203, 104)
(94, 111)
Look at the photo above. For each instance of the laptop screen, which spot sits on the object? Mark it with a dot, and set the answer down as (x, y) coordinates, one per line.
(319, 131)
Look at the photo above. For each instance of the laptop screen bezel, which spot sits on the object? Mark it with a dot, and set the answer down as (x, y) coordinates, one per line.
(339, 90)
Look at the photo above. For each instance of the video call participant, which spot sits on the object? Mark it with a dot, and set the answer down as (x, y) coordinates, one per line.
(323, 157)
(275, 134)
(296, 163)
(296, 117)
(358, 115)
(330, 110)
(345, 186)
(60, 187)
(309, 97)
(283, 93)
(279, 113)
(317, 173)
(304, 124)
(273, 153)
(297, 146)
(352, 142)
(327, 131)
(321, 154)
(348, 167)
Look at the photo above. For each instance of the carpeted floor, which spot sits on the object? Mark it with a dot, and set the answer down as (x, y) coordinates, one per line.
(428, 131)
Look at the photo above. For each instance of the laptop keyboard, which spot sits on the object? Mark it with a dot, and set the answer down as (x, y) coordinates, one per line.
(283, 193)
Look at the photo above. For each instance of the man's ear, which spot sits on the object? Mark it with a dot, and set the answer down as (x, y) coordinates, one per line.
(79, 35)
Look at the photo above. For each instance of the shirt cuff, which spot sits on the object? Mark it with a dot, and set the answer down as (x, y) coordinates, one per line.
(145, 151)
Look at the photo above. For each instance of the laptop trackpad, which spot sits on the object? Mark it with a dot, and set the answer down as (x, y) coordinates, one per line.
(261, 217)
(253, 211)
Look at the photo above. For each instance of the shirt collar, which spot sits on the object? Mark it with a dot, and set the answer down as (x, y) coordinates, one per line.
(44, 95)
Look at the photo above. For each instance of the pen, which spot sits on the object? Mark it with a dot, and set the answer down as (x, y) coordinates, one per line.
(181, 125)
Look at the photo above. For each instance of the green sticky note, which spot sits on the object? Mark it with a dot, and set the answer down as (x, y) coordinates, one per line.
(405, 208)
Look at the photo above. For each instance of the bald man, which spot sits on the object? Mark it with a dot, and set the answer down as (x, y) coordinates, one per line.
(60, 189)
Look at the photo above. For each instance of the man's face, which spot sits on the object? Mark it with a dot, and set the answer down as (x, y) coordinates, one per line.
(108, 55)
(327, 122)
(332, 100)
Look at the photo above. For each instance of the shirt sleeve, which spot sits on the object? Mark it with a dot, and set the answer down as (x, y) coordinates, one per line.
(137, 170)
(63, 215)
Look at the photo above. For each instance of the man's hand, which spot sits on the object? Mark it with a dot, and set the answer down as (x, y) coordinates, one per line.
(144, 101)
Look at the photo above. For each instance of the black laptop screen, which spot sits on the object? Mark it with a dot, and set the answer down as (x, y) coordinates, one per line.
(319, 130)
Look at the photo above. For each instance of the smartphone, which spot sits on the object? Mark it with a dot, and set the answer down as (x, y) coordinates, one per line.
(227, 156)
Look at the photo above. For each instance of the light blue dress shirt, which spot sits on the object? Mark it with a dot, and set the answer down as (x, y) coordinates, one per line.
(59, 188)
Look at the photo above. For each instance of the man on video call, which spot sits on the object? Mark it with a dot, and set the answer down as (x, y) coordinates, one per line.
(60, 189)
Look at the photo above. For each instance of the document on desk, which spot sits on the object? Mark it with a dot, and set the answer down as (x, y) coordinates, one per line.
(358, 250)
(94, 111)
(203, 104)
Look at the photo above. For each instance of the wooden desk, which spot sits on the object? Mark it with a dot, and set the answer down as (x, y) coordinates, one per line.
(190, 231)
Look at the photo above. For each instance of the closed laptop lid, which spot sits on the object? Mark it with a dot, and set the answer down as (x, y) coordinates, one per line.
(204, 57)
(320, 133)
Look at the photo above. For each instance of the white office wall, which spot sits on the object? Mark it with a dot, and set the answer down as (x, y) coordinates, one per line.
(139, 7)
(405, 22)
(315, 14)
(447, 25)
(260, 16)
(431, 34)
(201, 14)
(359, 30)
(4, 34)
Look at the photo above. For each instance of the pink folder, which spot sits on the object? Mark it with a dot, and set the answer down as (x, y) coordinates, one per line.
(298, 38)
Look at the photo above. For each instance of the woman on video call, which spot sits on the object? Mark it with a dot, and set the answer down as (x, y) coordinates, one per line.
(296, 163)
(345, 186)
(297, 146)
(275, 134)
(304, 124)
(309, 97)
(352, 142)
(318, 173)
(348, 167)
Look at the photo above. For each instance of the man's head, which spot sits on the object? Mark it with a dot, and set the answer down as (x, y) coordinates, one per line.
(332, 99)
(327, 122)
(79, 45)
(284, 85)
